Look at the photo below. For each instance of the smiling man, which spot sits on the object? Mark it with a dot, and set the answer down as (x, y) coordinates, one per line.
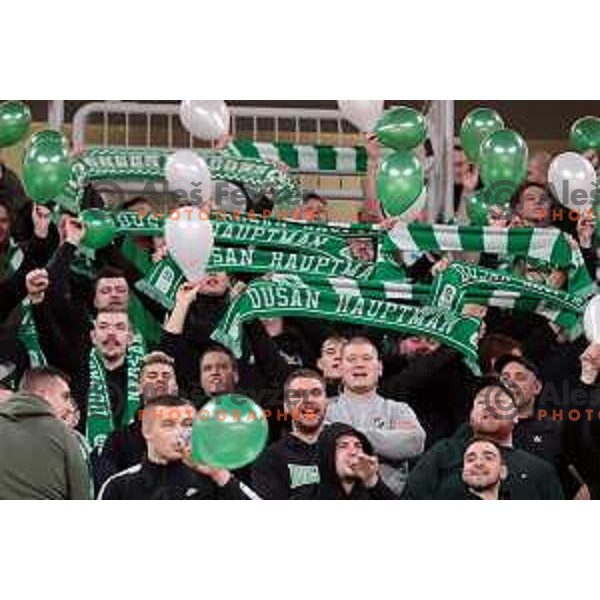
(484, 469)
(438, 475)
(289, 468)
(218, 372)
(391, 427)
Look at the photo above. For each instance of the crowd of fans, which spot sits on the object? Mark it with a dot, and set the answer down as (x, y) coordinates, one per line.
(353, 413)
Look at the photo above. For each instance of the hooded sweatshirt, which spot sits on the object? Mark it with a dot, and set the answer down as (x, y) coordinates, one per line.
(40, 457)
(377, 418)
(330, 487)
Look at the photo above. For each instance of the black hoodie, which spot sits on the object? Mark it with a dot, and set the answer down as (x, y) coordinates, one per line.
(330, 487)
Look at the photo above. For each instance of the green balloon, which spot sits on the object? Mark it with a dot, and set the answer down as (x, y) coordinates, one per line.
(477, 210)
(485, 204)
(15, 121)
(401, 128)
(48, 136)
(45, 171)
(399, 182)
(585, 134)
(476, 126)
(100, 228)
(229, 432)
(503, 158)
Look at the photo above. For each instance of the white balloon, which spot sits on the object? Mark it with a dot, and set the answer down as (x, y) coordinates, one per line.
(188, 172)
(205, 119)
(363, 114)
(591, 320)
(190, 239)
(573, 180)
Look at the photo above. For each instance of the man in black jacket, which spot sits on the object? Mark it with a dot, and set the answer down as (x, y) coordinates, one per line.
(348, 466)
(168, 472)
(125, 448)
(438, 473)
(484, 470)
(433, 380)
(536, 431)
(111, 351)
(288, 469)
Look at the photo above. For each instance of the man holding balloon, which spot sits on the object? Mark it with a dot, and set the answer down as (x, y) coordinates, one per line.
(168, 472)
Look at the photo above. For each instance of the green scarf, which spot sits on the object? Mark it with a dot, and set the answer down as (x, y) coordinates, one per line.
(161, 282)
(141, 319)
(285, 298)
(86, 451)
(461, 284)
(100, 422)
(549, 245)
(28, 336)
(280, 234)
(119, 164)
(10, 259)
(164, 278)
(27, 332)
(518, 294)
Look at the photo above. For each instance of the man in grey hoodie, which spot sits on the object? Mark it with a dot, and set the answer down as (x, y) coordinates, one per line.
(391, 427)
(40, 455)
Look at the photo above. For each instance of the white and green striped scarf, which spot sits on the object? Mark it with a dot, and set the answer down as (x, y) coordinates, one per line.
(548, 245)
(302, 157)
(461, 284)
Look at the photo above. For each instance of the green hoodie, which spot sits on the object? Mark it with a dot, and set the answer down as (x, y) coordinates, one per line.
(39, 456)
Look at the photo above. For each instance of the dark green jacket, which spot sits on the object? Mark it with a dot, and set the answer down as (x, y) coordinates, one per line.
(40, 457)
(438, 474)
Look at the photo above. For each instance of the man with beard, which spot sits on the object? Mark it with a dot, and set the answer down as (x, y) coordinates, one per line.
(533, 431)
(484, 469)
(104, 370)
(288, 469)
(433, 380)
(167, 473)
(391, 427)
(438, 473)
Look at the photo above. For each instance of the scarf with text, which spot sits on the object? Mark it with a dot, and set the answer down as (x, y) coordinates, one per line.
(100, 422)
